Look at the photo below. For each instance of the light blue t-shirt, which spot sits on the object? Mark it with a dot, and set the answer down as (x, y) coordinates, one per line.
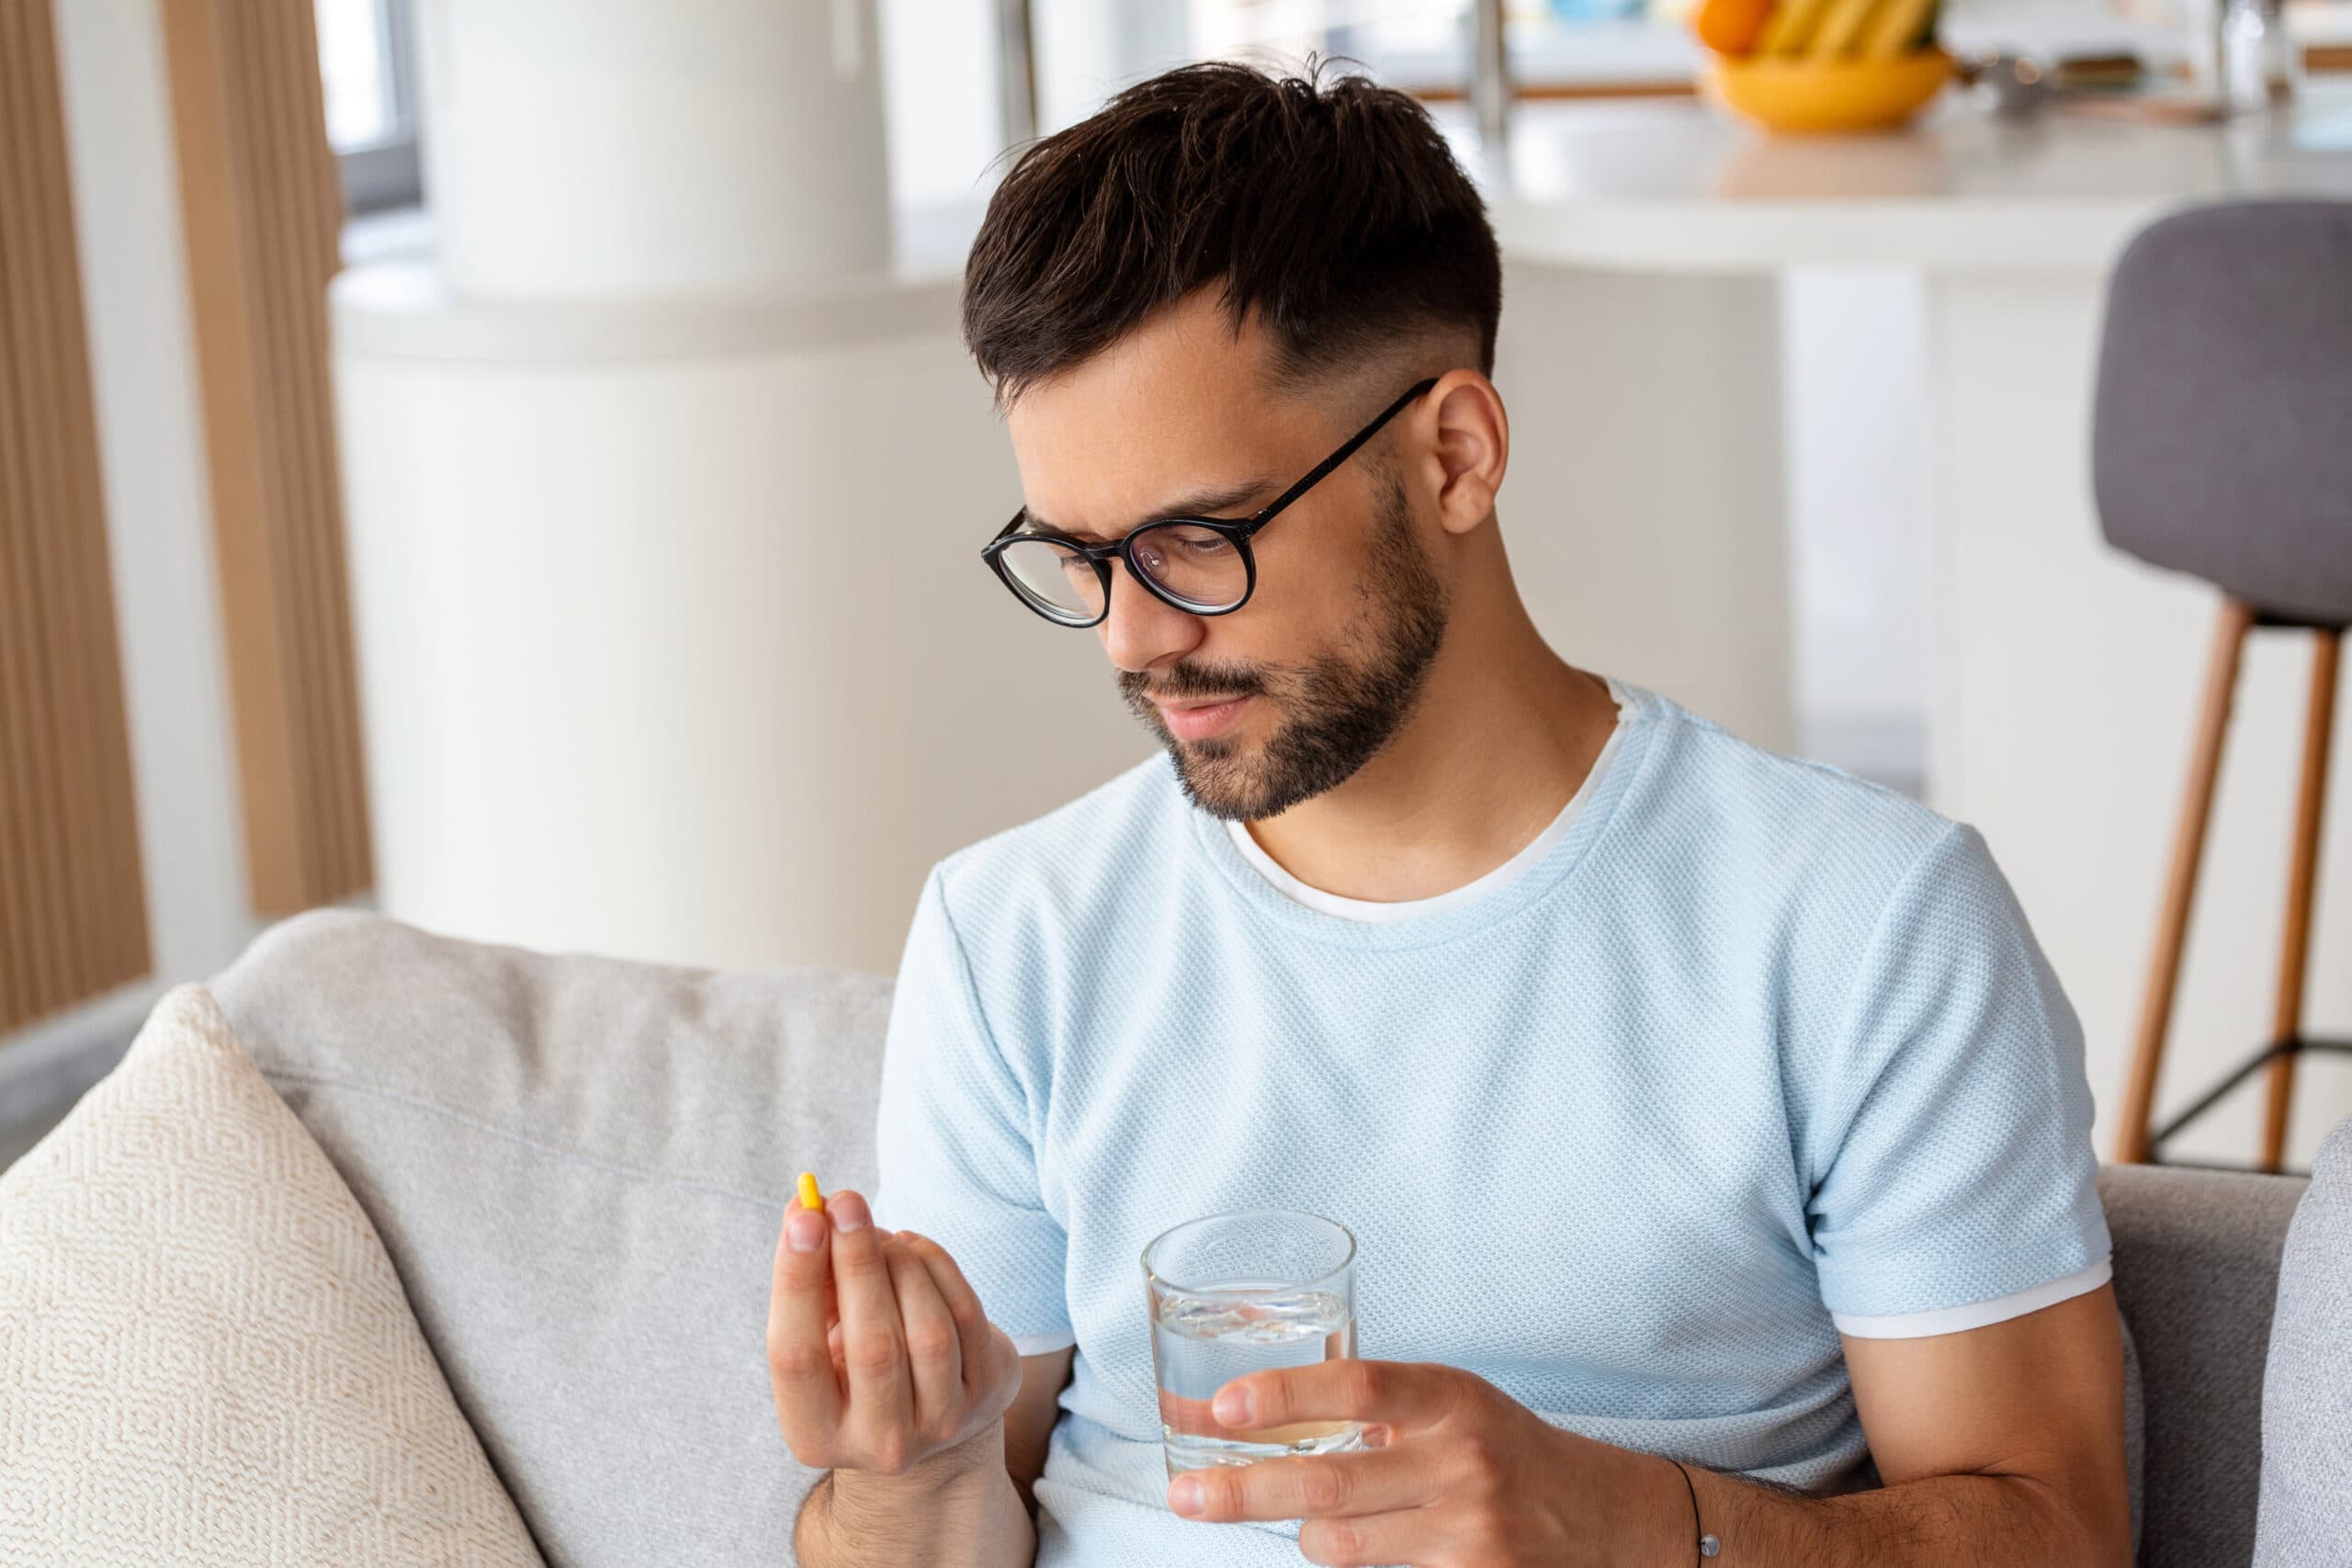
(1753, 1043)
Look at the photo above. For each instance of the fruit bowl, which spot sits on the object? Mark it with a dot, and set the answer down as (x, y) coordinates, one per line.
(1805, 94)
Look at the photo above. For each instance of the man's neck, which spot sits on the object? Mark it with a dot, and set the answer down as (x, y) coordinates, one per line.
(1499, 744)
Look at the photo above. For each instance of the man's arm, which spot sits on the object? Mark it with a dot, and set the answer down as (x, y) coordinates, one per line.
(951, 1508)
(1029, 1424)
(957, 1507)
(2001, 1444)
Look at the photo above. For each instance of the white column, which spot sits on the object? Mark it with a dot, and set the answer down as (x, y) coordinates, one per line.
(665, 497)
(681, 647)
(617, 148)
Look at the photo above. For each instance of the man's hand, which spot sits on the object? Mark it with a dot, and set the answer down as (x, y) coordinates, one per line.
(2000, 1444)
(899, 1366)
(1463, 1476)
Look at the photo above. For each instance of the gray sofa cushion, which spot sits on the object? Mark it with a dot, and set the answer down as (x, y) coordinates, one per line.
(578, 1167)
(2196, 1270)
(2306, 1509)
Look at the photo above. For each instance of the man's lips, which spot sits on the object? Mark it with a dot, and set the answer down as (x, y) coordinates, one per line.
(1198, 720)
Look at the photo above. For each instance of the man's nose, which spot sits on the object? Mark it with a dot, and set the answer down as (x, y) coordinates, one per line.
(1142, 630)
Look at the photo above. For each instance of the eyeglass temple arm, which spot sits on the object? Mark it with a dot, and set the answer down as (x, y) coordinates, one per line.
(1005, 533)
(1098, 554)
(1315, 474)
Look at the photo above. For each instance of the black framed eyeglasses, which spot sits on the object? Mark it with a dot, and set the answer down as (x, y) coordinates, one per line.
(1200, 564)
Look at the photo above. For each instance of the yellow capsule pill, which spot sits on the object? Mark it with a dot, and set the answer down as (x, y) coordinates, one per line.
(809, 1197)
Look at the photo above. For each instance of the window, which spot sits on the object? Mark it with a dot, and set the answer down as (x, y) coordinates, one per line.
(365, 64)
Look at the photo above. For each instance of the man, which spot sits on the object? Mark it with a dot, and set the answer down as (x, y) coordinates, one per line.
(1713, 1133)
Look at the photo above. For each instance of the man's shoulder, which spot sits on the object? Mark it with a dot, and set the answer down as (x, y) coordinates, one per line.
(1819, 881)
(1812, 826)
(1084, 850)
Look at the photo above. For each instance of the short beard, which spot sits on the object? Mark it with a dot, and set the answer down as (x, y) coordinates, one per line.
(1337, 713)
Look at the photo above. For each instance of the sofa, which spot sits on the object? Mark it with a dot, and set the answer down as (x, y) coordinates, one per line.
(543, 1192)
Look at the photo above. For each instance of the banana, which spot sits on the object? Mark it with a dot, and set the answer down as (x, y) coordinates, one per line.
(1841, 27)
(1892, 30)
(1792, 23)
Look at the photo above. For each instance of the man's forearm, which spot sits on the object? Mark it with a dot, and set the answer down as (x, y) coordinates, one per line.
(957, 1509)
(1932, 1522)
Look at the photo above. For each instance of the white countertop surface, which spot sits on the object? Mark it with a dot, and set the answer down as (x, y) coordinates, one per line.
(1655, 185)
(1677, 185)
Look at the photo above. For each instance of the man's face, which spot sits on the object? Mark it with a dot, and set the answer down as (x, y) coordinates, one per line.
(1289, 696)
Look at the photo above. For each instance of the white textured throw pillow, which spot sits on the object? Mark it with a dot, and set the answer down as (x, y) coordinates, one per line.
(205, 1355)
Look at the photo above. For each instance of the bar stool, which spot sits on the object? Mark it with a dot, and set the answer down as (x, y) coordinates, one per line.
(2221, 446)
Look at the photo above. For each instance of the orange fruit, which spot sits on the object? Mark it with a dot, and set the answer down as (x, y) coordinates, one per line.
(1730, 26)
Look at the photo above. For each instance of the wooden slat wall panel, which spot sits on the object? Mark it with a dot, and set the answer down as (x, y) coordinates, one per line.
(263, 210)
(72, 907)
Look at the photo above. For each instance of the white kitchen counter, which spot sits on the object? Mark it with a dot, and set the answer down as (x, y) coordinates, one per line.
(1672, 185)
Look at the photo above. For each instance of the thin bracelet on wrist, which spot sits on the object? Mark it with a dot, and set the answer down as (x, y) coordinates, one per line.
(1708, 1545)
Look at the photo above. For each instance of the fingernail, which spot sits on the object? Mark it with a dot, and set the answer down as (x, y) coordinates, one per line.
(1234, 1407)
(804, 1231)
(849, 1212)
(1184, 1497)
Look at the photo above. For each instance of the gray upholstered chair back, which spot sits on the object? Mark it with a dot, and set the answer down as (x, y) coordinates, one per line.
(2196, 1274)
(2221, 440)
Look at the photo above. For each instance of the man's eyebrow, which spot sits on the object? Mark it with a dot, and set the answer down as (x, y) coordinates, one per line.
(1200, 503)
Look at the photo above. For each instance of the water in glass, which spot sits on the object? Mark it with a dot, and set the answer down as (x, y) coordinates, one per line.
(1201, 1343)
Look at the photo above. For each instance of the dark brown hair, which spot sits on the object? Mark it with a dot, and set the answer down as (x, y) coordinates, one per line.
(1335, 208)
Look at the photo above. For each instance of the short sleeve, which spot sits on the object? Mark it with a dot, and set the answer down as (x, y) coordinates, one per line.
(1957, 1120)
(954, 1140)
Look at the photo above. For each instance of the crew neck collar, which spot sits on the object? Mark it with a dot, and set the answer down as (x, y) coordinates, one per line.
(1384, 912)
(1447, 918)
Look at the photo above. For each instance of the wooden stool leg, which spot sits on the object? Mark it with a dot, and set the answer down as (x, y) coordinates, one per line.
(2303, 873)
(2180, 887)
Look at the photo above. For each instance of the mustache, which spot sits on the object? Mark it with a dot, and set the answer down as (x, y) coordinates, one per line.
(1180, 681)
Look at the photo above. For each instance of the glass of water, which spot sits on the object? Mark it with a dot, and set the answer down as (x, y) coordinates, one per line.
(1232, 1295)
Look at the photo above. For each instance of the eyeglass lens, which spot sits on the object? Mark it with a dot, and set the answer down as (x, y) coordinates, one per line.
(1198, 567)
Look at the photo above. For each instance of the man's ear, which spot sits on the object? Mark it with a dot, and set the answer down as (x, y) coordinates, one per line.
(1471, 449)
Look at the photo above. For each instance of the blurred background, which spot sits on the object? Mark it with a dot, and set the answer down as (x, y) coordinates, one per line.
(510, 463)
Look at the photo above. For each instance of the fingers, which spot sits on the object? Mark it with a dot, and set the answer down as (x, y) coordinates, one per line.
(1403, 1394)
(934, 1350)
(800, 1302)
(1312, 1486)
(963, 1305)
(880, 1395)
(876, 1344)
(991, 1363)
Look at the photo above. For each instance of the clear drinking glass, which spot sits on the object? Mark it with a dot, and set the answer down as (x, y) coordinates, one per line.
(1232, 1295)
